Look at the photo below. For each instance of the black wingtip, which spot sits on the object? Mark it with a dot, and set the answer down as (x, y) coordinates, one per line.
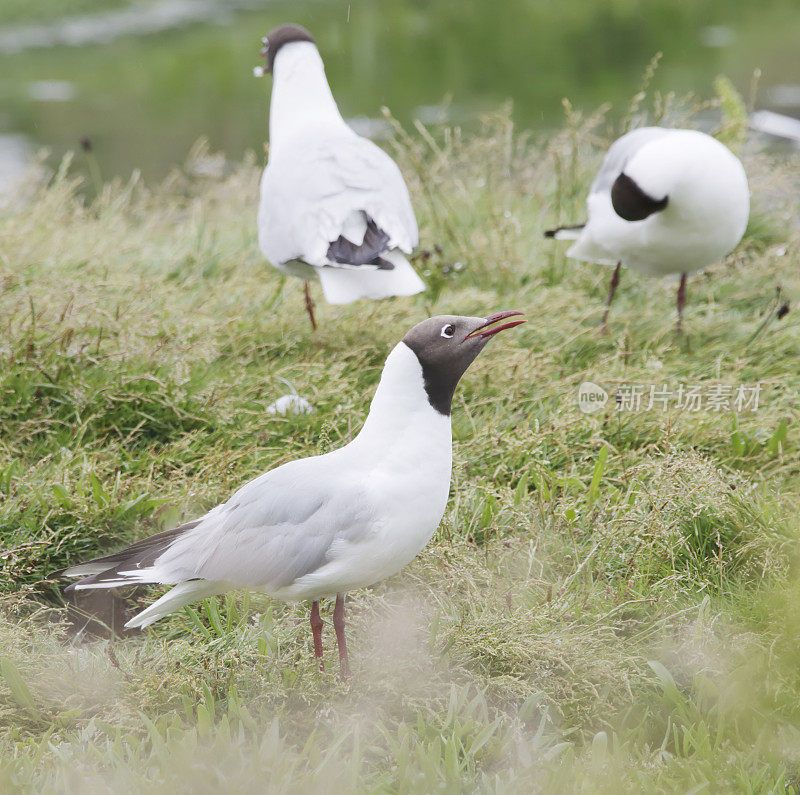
(550, 233)
(368, 252)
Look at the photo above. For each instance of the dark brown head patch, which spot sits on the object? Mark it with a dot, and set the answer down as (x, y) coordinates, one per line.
(276, 38)
(444, 353)
(631, 202)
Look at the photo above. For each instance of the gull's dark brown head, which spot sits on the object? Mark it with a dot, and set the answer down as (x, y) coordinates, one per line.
(277, 38)
(446, 346)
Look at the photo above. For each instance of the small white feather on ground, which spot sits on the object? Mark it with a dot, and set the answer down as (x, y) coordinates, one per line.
(290, 404)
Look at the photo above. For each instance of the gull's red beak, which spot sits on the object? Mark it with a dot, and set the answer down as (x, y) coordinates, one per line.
(488, 330)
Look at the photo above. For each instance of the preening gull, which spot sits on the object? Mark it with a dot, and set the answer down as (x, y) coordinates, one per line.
(665, 202)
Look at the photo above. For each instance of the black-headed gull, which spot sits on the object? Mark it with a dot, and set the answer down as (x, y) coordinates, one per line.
(334, 206)
(321, 526)
(665, 202)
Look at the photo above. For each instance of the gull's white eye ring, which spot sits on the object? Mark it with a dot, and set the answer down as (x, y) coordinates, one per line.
(448, 331)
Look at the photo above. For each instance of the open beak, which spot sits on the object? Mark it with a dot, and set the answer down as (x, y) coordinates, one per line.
(489, 330)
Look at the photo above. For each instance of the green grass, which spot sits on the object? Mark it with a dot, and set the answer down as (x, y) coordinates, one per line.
(610, 603)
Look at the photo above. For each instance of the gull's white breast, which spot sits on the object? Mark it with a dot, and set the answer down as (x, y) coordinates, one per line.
(402, 460)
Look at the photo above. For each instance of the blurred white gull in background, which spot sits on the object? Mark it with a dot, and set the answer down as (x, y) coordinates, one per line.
(333, 206)
(665, 203)
(777, 124)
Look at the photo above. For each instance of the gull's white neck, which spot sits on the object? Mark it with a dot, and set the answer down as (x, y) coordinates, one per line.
(301, 96)
(400, 411)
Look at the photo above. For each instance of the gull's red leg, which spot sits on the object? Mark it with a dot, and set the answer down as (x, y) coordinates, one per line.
(310, 308)
(316, 629)
(612, 288)
(681, 302)
(341, 642)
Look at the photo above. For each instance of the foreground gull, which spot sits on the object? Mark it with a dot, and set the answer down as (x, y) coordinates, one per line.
(665, 202)
(334, 205)
(324, 525)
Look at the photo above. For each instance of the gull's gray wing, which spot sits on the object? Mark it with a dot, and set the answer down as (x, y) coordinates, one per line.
(620, 152)
(274, 530)
(327, 190)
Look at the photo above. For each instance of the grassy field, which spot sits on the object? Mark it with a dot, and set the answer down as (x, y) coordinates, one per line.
(611, 601)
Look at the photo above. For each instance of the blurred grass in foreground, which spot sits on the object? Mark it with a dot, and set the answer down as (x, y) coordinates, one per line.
(610, 603)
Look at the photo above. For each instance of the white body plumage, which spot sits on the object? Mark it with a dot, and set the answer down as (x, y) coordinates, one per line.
(706, 212)
(324, 525)
(323, 182)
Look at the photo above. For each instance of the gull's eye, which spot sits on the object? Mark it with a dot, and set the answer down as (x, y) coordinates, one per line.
(448, 331)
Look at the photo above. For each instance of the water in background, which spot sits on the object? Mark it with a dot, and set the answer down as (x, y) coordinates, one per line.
(144, 82)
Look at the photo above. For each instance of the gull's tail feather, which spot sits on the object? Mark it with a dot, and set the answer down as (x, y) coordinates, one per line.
(133, 565)
(181, 595)
(565, 232)
(138, 564)
(342, 285)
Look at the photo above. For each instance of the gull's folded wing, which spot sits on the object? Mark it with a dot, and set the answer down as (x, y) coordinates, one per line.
(272, 531)
(326, 189)
(620, 152)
